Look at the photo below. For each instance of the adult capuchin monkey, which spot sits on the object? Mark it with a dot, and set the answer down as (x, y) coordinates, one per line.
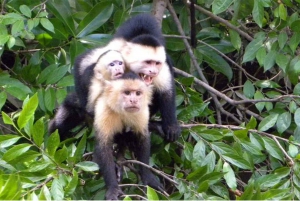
(109, 66)
(122, 116)
(142, 46)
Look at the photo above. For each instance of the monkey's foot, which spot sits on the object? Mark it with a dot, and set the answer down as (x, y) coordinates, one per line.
(113, 193)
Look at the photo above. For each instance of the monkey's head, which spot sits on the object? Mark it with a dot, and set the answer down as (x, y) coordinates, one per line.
(144, 59)
(110, 66)
(128, 94)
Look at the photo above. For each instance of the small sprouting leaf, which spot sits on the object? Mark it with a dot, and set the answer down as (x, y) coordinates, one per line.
(151, 194)
(252, 123)
(235, 39)
(28, 111)
(293, 150)
(47, 24)
(88, 166)
(229, 176)
(7, 119)
(268, 122)
(25, 10)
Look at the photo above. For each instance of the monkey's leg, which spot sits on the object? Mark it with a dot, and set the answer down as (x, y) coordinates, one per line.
(142, 152)
(103, 156)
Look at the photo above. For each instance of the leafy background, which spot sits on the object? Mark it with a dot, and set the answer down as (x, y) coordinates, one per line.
(237, 99)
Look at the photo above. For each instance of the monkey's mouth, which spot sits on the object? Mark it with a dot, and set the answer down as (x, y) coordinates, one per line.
(118, 75)
(146, 78)
(132, 109)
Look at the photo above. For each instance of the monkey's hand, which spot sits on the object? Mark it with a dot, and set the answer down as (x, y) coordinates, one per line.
(113, 193)
(171, 132)
(153, 182)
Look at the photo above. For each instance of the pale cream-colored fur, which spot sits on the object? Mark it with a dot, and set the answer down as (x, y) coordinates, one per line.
(110, 116)
(96, 87)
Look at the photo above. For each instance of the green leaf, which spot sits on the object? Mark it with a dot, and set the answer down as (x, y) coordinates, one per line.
(16, 151)
(293, 150)
(273, 149)
(17, 27)
(151, 194)
(282, 39)
(57, 190)
(8, 140)
(253, 47)
(66, 81)
(268, 122)
(3, 98)
(80, 149)
(71, 187)
(220, 6)
(257, 96)
(203, 186)
(235, 39)
(212, 135)
(7, 119)
(282, 12)
(61, 155)
(45, 193)
(28, 111)
(248, 89)
(258, 12)
(261, 56)
(52, 144)
(237, 161)
(88, 166)
(252, 123)
(294, 40)
(38, 132)
(12, 188)
(229, 176)
(57, 74)
(283, 122)
(195, 175)
(248, 193)
(94, 19)
(270, 60)
(297, 117)
(11, 42)
(49, 99)
(63, 11)
(25, 10)
(47, 24)
(282, 61)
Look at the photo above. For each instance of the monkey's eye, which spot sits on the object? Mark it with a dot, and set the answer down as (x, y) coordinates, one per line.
(120, 63)
(127, 92)
(111, 64)
(138, 93)
(158, 63)
(148, 61)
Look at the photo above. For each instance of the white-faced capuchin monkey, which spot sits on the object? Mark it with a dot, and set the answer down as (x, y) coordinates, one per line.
(142, 46)
(122, 106)
(109, 66)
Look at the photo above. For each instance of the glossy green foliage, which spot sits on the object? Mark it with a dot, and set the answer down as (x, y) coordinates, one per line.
(241, 130)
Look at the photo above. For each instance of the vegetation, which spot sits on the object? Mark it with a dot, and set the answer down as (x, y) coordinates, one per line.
(238, 99)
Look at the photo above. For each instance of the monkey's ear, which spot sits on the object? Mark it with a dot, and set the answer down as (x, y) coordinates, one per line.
(98, 75)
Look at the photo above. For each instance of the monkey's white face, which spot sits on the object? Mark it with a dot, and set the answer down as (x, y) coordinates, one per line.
(147, 70)
(132, 100)
(116, 69)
